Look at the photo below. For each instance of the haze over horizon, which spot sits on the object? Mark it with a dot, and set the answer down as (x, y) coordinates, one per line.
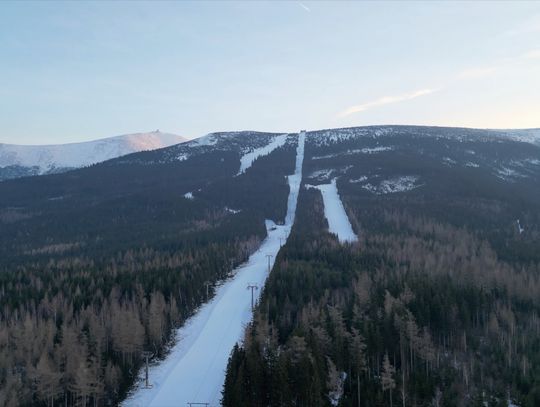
(76, 72)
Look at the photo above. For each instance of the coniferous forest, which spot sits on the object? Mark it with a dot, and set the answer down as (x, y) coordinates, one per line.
(436, 304)
(100, 265)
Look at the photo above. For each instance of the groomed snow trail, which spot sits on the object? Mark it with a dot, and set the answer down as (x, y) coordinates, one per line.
(338, 221)
(195, 369)
(247, 159)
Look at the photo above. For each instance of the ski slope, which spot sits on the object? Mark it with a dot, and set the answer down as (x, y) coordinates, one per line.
(338, 221)
(247, 159)
(195, 369)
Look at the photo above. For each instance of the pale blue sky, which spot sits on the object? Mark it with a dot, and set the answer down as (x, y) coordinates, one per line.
(74, 71)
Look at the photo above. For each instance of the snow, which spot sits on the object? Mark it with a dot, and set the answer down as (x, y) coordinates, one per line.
(189, 195)
(321, 174)
(365, 150)
(393, 185)
(531, 136)
(233, 211)
(338, 222)
(357, 180)
(74, 155)
(507, 174)
(332, 136)
(525, 162)
(372, 150)
(326, 174)
(208, 140)
(520, 229)
(448, 160)
(471, 164)
(195, 369)
(247, 159)
(335, 395)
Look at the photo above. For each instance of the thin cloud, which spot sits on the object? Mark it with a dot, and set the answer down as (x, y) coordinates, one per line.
(472, 73)
(386, 100)
(304, 7)
(506, 63)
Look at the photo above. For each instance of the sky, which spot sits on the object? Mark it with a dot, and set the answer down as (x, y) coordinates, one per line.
(77, 71)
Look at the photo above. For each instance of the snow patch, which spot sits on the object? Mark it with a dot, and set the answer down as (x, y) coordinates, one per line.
(358, 180)
(326, 174)
(366, 150)
(334, 211)
(189, 195)
(523, 163)
(321, 174)
(332, 136)
(375, 150)
(247, 159)
(471, 164)
(531, 136)
(507, 174)
(393, 185)
(448, 160)
(233, 211)
(194, 371)
(520, 229)
(335, 395)
(208, 140)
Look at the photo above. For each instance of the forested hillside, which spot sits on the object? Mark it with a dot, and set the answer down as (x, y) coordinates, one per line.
(98, 265)
(433, 300)
(437, 303)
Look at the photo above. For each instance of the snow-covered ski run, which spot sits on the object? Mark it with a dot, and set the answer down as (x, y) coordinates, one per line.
(248, 159)
(334, 211)
(194, 371)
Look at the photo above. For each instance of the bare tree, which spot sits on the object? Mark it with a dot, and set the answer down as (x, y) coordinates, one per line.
(387, 376)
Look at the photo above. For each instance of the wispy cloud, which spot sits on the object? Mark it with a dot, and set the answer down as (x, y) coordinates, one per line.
(474, 73)
(386, 100)
(304, 7)
(498, 66)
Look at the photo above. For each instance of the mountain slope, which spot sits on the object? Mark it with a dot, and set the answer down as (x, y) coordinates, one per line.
(21, 160)
(101, 263)
(144, 239)
(437, 302)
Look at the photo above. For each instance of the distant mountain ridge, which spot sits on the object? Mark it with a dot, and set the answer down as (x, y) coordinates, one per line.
(25, 160)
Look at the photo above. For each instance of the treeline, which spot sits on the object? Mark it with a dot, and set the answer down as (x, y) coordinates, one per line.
(418, 313)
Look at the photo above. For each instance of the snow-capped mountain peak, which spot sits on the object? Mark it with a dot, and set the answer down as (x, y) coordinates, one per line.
(42, 159)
